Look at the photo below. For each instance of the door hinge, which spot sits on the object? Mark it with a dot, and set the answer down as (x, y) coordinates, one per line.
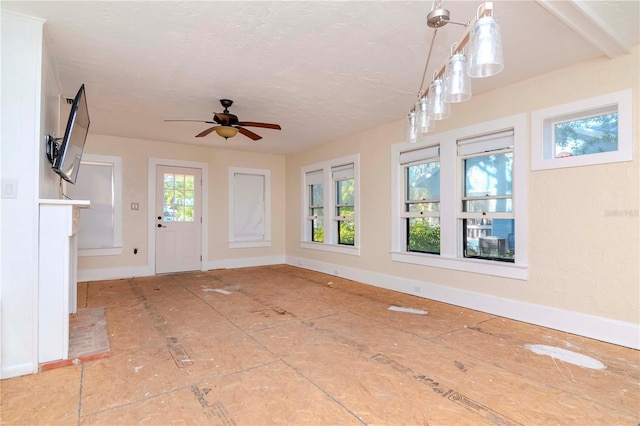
(200, 220)
(200, 258)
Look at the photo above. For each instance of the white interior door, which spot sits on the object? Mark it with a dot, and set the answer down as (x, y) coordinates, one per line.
(178, 219)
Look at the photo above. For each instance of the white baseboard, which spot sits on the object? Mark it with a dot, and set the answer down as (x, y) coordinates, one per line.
(246, 262)
(18, 370)
(85, 275)
(591, 326)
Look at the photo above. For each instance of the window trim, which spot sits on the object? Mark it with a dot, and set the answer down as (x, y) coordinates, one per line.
(451, 256)
(542, 119)
(266, 241)
(116, 164)
(330, 243)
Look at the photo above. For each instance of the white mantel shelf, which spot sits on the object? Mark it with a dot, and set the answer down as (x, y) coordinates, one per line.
(63, 202)
(58, 261)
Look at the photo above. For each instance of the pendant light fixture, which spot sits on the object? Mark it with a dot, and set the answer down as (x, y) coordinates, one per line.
(457, 82)
(451, 82)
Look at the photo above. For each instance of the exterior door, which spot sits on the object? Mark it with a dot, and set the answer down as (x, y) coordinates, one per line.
(178, 219)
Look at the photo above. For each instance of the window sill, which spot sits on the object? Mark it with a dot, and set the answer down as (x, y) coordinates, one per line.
(248, 244)
(335, 248)
(498, 269)
(107, 251)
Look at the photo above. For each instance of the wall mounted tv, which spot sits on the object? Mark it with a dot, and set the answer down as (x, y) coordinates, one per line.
(65, 153)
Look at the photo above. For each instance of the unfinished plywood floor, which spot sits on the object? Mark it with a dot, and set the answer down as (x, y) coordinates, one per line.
(283, 345)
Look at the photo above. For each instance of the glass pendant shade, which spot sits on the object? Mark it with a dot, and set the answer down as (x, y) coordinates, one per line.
(457, 83)
(424, 124)
(412, 127)
(438, 108)
(485, 57)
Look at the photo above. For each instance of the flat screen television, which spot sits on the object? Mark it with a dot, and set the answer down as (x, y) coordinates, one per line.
(66, 160)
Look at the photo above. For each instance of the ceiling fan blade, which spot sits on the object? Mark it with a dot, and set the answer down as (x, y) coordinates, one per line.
(196, 121)
(206, 132)
(265, 125)
(249, 134)
(225, 119)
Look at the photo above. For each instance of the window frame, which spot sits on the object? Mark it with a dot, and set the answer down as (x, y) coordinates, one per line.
(451, 191)
(543, 121)
(311, 179)
(329, 185)
(431, 154)
(492, 146)
(234, 241)
(337, 176)
(116, 164)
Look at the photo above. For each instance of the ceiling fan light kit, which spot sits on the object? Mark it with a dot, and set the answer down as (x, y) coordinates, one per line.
(226, 131)
(228, 124)
(451, 82)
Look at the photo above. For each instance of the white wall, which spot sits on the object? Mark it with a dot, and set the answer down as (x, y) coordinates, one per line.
(21, 94)
(30, 110)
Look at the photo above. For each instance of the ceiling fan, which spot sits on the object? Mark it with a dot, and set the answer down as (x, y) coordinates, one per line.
(228, 125)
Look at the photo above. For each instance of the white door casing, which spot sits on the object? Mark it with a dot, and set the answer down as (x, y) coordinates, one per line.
(178, 219)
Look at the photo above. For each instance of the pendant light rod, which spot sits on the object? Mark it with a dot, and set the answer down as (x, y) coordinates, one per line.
(440, 17)
(426, 65)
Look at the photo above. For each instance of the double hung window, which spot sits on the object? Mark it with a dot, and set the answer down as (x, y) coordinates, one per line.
(460, 199)
(316, 205)
(487, 197)
(422, 199)
(345, 203)
(330, 205)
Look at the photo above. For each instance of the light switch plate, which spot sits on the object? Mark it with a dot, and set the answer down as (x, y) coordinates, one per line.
(9, 188)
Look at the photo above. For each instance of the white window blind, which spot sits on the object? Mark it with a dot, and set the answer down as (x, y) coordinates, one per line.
(486, 143)
(314, 178)
(249, 208)
(100, 182)
(342, 172)
(428, 153)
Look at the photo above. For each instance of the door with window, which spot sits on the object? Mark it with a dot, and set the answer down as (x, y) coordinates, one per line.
(178, 219)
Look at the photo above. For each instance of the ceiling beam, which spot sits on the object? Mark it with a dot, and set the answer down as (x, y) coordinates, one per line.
(578, 16)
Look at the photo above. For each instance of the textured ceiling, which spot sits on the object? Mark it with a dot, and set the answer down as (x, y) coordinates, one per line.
(320, 69)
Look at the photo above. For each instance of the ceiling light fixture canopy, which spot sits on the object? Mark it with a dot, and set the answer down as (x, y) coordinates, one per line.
(226, 131)
(451, 82)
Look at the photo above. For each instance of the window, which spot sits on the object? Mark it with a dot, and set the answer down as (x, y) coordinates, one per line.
(249, 207)
(422, 199)
(100, 182)
(460, 199)
(591, 131)
(330, 206)
(345, 203)
(316, 205)
(487, 197)
(178, 197)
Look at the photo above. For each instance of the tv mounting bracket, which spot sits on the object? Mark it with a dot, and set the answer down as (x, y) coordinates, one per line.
(51, 147)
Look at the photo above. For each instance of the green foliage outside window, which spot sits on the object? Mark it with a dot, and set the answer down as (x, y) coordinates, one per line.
(179, 194)
(345, 208)
(587, 136)
(423, 236)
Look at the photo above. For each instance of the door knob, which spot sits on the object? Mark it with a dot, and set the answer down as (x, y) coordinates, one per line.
(161, 226)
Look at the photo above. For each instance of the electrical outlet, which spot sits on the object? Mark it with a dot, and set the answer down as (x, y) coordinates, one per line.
(135, 251)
